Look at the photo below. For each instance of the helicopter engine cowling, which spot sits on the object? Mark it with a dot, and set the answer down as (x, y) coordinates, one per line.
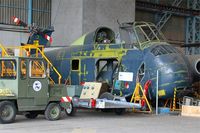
(194, 61)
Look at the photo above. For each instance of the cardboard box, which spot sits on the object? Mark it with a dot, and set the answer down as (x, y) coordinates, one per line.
(190, 111)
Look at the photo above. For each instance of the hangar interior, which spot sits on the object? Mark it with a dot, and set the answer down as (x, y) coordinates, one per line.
(178, 19)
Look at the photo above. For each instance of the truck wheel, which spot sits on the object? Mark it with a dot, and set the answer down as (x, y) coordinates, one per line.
(119, 111)
(52, 112)
(108, 96)
(70, 110)
(31, 115)
(7, 112)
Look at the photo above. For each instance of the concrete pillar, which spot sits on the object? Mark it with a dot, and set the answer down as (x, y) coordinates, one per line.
(72, 18)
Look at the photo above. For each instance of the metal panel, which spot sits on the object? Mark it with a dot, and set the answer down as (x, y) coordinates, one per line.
(193, 28)
(41, 12)
(10, 8)
(30, 11)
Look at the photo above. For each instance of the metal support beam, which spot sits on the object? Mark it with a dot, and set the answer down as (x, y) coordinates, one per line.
(193, 28)
(30, 12)
(166, 16)
(153, 7)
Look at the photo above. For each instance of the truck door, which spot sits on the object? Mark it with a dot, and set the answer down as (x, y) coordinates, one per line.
(37, 82)
(75, 71)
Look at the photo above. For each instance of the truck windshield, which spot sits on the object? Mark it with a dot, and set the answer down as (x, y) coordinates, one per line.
(8, 69)
(37, 69)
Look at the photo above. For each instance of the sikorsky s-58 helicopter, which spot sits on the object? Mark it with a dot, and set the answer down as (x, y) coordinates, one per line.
(134, 56)
(138, 53)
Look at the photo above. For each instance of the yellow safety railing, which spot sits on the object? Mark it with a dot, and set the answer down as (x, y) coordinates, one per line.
(3, 52)
(48, 61)
(25, 51)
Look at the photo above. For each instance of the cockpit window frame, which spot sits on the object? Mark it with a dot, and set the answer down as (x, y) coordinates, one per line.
(145, 33)
(162, 50)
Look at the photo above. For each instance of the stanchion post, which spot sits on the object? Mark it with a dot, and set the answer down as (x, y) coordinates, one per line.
(157, 93)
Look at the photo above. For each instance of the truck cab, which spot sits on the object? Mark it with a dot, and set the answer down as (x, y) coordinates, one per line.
(25, 89)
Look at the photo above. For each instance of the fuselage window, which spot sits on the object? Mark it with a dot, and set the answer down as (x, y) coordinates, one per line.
(163, 49)
(75, 65)
(168, 49)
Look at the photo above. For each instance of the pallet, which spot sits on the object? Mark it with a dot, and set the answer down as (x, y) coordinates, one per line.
(193, 111)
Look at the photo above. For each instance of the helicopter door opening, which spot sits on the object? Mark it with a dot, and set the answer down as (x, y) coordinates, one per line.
(75, 71)
(106, 69)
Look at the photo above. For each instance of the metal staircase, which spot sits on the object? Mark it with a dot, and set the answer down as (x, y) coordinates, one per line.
(167, 15)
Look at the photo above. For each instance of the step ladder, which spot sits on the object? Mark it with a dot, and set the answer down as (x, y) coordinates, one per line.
(139, 96)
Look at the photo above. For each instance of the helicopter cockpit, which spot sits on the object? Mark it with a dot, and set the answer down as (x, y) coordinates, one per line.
(104, 35)
(140, 34)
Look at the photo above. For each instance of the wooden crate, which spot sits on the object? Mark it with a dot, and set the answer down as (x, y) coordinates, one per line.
(190, 111)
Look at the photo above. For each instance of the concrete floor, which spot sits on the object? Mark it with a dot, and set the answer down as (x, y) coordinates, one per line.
(98, 122)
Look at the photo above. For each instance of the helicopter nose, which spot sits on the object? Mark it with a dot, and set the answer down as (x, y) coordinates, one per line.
(172, 74)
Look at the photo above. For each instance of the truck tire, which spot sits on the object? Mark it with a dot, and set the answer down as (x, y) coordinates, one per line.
(7, 112)
(52, 112)
(108, 96)
(70, 111)
(31, 115)
(119, 111)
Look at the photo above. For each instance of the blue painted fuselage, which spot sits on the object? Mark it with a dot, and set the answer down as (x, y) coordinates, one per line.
(164, 58)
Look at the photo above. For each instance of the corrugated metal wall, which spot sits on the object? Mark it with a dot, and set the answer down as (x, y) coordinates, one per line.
(41, 11)
(10, 8)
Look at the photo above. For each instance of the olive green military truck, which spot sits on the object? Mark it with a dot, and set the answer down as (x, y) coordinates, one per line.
(25, 88)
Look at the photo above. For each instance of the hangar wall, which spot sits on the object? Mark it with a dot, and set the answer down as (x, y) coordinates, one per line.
(12, 38)
(72, 18)
(174, 29)
(67, 21)
(29, 11)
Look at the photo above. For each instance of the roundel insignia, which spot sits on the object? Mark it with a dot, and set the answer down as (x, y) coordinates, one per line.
(37, 86)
